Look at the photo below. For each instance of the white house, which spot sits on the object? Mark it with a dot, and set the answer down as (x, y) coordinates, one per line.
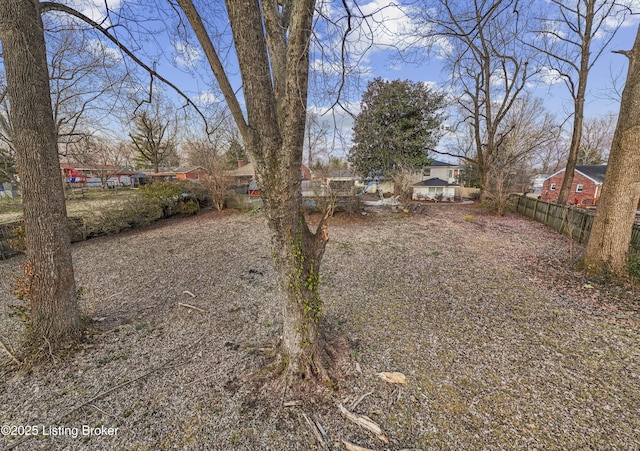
(434, 189)
(439, 182)
(448, 172)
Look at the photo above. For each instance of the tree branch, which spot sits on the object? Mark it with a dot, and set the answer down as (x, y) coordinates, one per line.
(52, 6)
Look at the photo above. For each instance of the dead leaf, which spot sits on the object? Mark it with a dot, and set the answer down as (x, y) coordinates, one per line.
(393, 377)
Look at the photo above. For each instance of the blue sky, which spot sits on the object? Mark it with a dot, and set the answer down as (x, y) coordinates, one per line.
(183, 63)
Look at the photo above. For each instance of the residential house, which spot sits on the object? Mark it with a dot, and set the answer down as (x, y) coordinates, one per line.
(585, 189)
(434, 189)
(193, 173)
(244, 178)
(96, 175)
(448, 172)
(439, 182)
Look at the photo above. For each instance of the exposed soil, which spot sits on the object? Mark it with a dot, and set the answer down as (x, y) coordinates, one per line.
(503, 345)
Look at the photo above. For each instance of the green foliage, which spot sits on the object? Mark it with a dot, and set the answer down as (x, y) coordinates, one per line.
(178, 197)
(130, 214)
(469, 175)
(156, 201)
(235, 153)
(398, 124)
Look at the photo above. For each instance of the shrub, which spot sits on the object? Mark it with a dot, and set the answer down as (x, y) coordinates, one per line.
(133, 213)
(174, 198)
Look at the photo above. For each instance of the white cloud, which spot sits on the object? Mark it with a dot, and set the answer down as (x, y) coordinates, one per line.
(96, 10)
(187, 54)
(206, 98)
(101, 49)
(550, 76)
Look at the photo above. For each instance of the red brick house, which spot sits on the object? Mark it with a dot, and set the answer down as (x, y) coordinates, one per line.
(190, 173)
(585, 189)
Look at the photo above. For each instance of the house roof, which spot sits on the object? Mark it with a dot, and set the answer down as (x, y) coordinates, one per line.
(436, 163)
(341, 173)
(595, 173)
(435, 182)
(244, 171)
(187, 169)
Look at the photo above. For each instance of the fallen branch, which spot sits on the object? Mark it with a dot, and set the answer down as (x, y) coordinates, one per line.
(189, 293)
(351, 447)
(365, 422)
(181, 304)
(317, 432)
(5, 346)
(109, 297)
(294, 403)
(354, 404)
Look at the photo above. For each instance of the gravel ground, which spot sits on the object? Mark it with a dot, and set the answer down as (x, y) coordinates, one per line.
(502, 344)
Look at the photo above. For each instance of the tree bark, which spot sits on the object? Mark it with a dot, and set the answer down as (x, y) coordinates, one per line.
(272, 46)
(608, 246)
(51, 296)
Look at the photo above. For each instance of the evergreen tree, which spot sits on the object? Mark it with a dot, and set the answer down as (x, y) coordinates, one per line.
(398, 124)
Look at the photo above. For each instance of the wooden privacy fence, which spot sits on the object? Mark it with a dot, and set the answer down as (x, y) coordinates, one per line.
(570, 221)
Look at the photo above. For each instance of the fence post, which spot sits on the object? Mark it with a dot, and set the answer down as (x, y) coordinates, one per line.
(546, 215)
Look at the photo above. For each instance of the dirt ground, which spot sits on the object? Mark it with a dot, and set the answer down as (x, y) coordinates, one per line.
(502, 344)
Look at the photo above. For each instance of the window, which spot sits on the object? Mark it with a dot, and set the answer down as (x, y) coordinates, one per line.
(579, 188)
(553, 187)
(427, 172)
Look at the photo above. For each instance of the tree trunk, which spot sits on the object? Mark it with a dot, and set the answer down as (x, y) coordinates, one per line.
(51, 296)
(297, 254)
(272, 46)
(578, 114)
(276, 113)
(572, 159)
(608, 246)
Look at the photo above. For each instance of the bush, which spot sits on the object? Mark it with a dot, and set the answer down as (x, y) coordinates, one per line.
(174, 198)
(133, 213)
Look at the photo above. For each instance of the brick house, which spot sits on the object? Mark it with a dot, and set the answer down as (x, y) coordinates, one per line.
(193, 173)
(585, 189)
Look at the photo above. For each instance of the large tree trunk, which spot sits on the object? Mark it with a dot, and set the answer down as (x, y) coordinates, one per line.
(274, 67)
(51, 296)
(608, 246)
(272, 45)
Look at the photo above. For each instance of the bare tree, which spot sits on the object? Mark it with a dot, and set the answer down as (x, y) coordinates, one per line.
(597, 135)
(209, 154)
(106, 158)
(86, 81)
(489, 65)
(572, 38)
(316, 135)
(272, 47)
(608, 246)
(49, 289)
